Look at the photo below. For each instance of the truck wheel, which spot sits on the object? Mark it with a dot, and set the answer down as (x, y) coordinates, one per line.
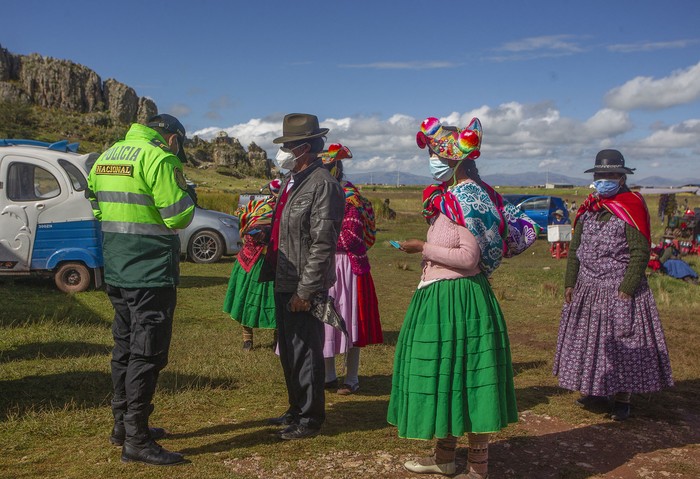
(72, 277)
(205, 247)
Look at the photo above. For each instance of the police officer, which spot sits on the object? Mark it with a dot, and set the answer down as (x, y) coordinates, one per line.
(138, 191)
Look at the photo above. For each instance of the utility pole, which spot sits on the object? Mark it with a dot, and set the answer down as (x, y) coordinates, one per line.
(398, 178)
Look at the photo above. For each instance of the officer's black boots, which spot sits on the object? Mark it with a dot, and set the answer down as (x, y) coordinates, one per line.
(119, 434)
(119, 431)
(140, 445)
(151, 453)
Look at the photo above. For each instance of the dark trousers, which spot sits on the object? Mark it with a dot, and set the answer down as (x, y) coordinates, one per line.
(300, 339)
(142, 328)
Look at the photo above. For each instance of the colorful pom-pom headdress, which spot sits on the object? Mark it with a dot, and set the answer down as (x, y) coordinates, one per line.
(450, 142)
(335, 152)
(274, 186)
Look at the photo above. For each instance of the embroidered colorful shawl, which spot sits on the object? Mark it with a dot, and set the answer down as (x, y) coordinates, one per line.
(253, 215)
(471, 206)
(517, 230)
(629, 206)
(353, 197)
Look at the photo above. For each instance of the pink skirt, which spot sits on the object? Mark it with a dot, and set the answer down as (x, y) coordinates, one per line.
(356, 302)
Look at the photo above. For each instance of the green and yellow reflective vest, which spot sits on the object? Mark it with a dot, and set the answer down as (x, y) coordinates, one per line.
(139, 194)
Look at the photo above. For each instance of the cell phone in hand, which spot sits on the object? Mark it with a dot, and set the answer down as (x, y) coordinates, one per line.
(253, 231)
(395, 244)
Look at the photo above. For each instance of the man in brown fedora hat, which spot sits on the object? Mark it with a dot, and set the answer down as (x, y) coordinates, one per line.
(302, 244)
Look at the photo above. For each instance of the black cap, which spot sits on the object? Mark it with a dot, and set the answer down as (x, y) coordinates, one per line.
(172, 125)
(610, 161)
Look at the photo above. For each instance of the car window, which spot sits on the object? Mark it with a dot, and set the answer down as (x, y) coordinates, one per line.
(27, 182)
(515, 199)
(77, 179)
(536, 204)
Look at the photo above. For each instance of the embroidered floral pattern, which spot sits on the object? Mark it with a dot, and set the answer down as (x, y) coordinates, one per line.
(482, 219)
(606, 344)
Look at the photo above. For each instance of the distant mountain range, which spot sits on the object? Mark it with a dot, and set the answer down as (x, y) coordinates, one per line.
(520, 179)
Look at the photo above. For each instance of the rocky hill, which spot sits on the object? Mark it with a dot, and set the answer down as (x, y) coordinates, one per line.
(62, 84)
(47, 99)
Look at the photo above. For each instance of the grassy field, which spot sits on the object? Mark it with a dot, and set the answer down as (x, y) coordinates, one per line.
(213, 397)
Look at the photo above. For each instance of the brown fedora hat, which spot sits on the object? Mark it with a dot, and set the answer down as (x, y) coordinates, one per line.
(300, 126)
(610, 161)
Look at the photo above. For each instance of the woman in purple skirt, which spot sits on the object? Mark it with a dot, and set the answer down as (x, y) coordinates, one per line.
(611, 343)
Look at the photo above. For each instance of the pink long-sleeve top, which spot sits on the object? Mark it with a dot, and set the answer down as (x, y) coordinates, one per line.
(351, 240)
(450, 252)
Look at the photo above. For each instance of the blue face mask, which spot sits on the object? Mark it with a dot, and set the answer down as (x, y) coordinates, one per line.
(440, 170)
(607, 188)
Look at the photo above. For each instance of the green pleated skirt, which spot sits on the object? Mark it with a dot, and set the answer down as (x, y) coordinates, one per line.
(249, 302)
(452, 370)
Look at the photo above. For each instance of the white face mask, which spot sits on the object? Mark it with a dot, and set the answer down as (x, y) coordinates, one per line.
(285, 157)
(440, 170)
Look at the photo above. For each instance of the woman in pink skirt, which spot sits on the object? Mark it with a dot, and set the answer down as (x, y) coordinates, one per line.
(355, 297)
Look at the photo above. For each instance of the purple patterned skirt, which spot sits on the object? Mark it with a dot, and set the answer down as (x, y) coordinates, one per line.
(606, 344)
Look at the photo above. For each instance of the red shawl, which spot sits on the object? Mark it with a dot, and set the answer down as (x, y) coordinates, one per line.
(628, 206)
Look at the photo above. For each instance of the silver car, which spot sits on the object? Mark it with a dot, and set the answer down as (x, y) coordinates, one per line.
(210, 236)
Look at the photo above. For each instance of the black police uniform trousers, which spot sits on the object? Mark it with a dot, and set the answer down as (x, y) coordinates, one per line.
(300, 338)
(142, 328)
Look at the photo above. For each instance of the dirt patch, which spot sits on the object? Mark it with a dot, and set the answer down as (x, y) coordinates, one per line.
(542, 447)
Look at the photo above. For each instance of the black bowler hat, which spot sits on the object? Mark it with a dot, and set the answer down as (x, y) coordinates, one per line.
(610, 161)
(172, 125)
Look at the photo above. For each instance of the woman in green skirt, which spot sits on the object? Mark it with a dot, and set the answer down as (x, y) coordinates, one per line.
(452, 371)
(248, 301)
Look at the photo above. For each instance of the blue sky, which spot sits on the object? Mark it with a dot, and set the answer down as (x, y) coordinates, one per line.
(552, 82)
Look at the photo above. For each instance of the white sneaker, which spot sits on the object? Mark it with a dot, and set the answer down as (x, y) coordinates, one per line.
(428, 466)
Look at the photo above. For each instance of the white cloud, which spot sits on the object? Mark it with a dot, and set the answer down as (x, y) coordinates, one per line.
(683, 135)
(651, 46)
(549, 163)
(562, 43)
(262, 132)
(517, 137)
(607, 122)
(547, 46)
(680, 87)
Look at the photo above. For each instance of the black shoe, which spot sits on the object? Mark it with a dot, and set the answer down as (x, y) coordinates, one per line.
(286, 430)
(621, 411)
(593, 402)
(119, 434)
(152, 454)
(331, 384)
(247, 345)
(299, 432)
(285, 419)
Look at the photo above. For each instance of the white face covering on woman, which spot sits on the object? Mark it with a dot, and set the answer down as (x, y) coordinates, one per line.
(439, 168)
(285, 157)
